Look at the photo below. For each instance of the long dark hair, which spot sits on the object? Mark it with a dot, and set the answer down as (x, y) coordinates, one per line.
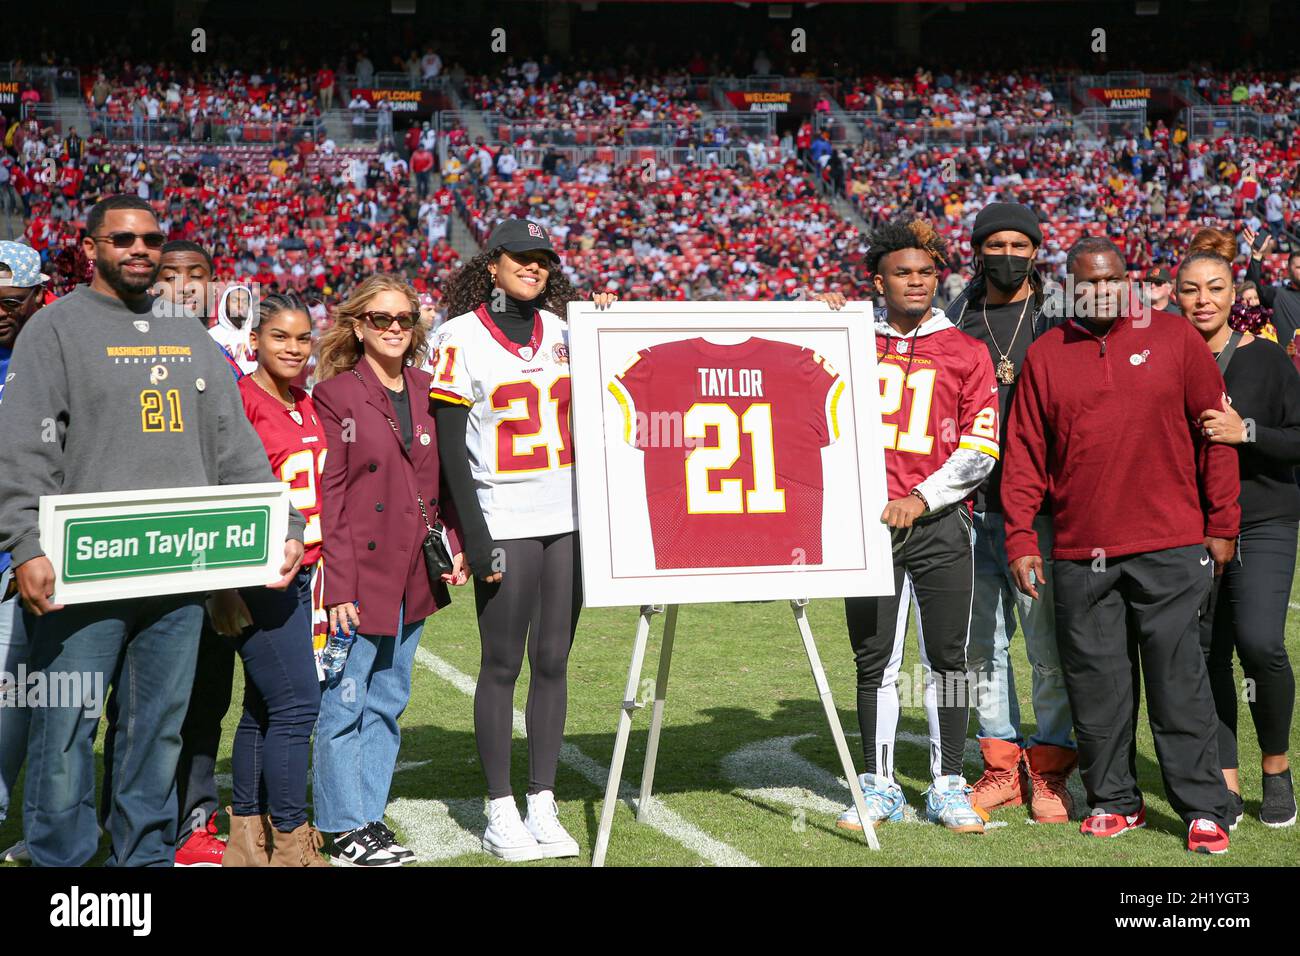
(472, 286)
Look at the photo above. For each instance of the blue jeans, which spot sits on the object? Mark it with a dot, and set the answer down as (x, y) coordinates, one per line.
(281, 701)
(357, 736)
(13, 719)
(147, 648)
(993, 625)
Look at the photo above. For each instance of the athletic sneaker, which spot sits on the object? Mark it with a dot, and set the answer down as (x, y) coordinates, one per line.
(543, 822)
(16, 853)
(201, 848)
(506, 836)
(1277, 809)
(1102, 823)
(947, 801)
(884, 800)
(1206, 836)
(388, 840)
(360, 847)
(1236, 809)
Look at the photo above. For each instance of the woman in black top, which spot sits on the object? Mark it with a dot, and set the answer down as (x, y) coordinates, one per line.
(1260, 416)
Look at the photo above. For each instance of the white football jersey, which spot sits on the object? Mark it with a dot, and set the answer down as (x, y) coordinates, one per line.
(519, 436)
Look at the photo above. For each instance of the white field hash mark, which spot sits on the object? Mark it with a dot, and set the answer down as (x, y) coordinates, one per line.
(660, 817)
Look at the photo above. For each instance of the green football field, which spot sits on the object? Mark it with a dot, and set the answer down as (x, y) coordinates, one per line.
(747, 771)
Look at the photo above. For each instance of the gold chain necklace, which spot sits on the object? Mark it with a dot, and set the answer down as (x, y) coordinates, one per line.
(1005, 370)
(289, 406)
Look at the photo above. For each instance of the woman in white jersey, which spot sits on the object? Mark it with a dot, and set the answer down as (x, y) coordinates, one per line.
(501, 396)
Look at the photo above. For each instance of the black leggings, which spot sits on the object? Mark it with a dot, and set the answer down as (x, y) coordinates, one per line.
(1248, 613)
(537, 602)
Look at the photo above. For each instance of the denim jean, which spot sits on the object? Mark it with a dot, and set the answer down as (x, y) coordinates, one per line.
(281, 701)
(147, 648)
(357, 736)
(996, 603)
(13, 719)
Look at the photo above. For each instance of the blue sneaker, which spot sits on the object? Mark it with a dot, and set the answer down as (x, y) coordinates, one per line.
(948, 802)
(884, 800)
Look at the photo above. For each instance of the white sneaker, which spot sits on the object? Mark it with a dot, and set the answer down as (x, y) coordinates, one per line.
(506, 836)
(544, 824)
(16, 853)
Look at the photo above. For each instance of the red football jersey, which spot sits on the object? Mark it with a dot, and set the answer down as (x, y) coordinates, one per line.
(732, 438)
(937, 394)
(295, 445)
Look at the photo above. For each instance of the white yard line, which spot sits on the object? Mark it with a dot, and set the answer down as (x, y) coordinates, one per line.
(660, 817)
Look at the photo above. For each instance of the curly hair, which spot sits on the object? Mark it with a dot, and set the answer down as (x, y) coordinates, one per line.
(472, 286)
(339, 350)
(905, 233)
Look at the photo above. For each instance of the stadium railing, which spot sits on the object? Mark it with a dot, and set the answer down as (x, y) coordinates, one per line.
(616, 156)
(61, 117)
(1211, 122)
(50, 81)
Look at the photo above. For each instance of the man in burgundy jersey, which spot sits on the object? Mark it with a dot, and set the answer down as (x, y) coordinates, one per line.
(939, 418)
(732, 436)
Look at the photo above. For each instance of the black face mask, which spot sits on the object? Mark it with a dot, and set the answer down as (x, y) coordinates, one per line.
(1007, 273)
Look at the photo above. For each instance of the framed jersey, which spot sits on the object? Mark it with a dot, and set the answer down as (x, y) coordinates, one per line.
(727, 451)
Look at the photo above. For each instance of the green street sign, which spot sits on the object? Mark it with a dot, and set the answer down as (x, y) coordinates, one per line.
(199, 539)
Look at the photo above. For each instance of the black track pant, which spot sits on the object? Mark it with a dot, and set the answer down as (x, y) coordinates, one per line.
(537, 603)
(1148, 604)
(934, 569)
(1248, 615)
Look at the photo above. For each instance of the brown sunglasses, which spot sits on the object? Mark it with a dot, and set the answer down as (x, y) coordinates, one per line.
(381, 321)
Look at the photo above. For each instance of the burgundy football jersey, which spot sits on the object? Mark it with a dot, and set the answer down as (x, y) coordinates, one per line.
(732, 438)
(295, 445)
(937, 394)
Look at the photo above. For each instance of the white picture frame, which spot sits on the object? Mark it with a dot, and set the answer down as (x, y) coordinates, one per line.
(618, 562)
(147, 561)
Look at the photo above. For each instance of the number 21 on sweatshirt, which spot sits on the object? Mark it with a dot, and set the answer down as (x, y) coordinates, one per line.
(519, 431)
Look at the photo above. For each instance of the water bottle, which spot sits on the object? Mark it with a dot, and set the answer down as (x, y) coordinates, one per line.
(337, 646)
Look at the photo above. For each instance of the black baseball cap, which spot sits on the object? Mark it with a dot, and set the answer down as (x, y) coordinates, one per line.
(521, 235)
(1159, 276)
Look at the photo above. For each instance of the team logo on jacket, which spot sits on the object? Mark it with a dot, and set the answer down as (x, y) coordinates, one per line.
(141, 325)
(1138, 359)
(560, 353)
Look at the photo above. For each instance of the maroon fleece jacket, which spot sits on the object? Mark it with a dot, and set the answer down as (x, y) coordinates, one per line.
(1106, 428)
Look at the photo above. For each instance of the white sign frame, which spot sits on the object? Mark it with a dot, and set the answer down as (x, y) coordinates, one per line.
(599, 343)
(56, 510)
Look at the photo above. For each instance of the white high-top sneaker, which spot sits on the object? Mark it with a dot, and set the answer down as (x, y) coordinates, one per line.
(506, 836)
(544, 824)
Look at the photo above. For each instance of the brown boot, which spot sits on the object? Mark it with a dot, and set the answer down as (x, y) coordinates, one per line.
(1003, 783)
(247, 845)
(298, 848)
(1049, 769)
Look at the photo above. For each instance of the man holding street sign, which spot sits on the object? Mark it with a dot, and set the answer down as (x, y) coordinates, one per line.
(106, 397)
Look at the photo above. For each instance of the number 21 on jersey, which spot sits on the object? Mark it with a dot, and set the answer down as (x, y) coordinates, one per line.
(525, 408)
(305, 496)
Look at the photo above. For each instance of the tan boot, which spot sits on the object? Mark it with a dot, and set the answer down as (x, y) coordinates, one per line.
(1003, 783)
(248, 842)
(297, 848)
(1049, 769)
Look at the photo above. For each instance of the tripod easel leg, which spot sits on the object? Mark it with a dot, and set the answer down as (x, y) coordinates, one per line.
(833, 718)
(657, 714)
(628, 705)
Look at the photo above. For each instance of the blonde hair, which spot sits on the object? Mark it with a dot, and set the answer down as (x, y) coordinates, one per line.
(339, 349)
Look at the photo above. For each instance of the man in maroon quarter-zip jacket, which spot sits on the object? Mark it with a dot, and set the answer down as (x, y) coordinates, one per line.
(1104, 423)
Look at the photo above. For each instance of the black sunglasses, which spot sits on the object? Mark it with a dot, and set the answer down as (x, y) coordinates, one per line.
(381, 321)
(125, 240)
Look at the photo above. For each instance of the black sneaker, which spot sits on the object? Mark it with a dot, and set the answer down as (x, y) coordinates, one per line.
(360, 847)
(1277, 809)
(1236, 809)
(388, 840)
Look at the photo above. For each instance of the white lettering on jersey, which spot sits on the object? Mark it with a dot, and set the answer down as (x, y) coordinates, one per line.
(731, 383)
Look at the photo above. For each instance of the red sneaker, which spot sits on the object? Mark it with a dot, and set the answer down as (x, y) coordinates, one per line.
(202, 848)
(1206, 836)
(1104, 824)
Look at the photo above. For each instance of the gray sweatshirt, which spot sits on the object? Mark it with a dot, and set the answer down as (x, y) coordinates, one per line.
(106, 397)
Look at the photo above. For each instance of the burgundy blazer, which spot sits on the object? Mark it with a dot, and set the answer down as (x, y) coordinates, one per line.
(370, 519)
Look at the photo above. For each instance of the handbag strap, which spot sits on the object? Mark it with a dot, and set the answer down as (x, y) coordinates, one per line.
(419, 499)
(1226, 355)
